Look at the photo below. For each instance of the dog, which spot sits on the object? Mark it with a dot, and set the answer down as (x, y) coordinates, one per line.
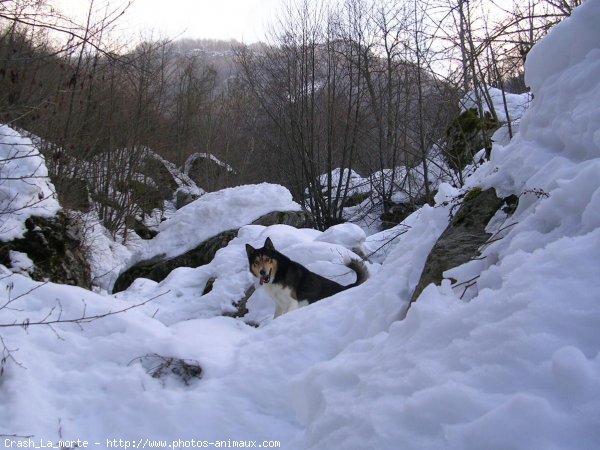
(290, 284)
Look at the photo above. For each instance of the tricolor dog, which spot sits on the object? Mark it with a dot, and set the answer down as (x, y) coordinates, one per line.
(290, 284)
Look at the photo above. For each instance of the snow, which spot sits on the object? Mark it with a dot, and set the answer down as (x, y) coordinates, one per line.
(20, 262)
(109, 256)
(25, 189)
(403, 184)
(510, 362)
(347, 234)
(356, 183)
(516, 104)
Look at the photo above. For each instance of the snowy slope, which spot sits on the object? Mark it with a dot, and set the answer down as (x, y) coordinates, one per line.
(514, 364)
(518, 366)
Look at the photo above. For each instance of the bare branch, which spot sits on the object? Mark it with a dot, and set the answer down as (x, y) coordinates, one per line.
(79, 320)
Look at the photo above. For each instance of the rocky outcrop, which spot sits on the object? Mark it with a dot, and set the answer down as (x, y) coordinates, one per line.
(463, 237)
(54, 247)
(395, 213)
(154, 167)
(158, 267)
(468, 134)
(209, 172)
(152, 185)
(296, 219)
(185, 196)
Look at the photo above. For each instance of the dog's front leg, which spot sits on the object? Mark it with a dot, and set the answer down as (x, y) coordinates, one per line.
(278, 311)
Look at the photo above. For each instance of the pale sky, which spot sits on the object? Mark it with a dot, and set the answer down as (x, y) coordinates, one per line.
(243, 20)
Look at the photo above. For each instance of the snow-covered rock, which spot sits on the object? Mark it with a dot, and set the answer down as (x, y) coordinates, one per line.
(25, 188)
(36, 237)
(196, 232)
(515, 104)
(209, 171)
(212, 213)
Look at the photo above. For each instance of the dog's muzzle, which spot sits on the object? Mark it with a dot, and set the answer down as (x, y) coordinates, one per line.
(265, 277)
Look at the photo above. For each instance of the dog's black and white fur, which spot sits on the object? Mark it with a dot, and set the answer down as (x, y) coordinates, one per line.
(290, 284)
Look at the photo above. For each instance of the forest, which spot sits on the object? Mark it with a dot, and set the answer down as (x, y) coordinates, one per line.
(360, 85)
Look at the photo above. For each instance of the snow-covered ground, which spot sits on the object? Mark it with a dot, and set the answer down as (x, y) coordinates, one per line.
(513, 362)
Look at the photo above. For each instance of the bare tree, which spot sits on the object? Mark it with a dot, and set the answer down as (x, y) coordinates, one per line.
(307, 84)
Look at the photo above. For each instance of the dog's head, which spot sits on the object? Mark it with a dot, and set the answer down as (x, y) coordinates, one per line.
(263, 261)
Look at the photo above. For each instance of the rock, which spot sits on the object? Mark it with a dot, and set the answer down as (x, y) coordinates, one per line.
(163, 367)
(184, 197)
(142, 230)
(145, 195)
(461, 240)
(74, 193)
(468, 134)
(209, 285)
(155, 168)
(158, 268)
(209, 172)
(296, 219)
(154, 183)
(396, 214)
(54, 246)
(356, 198)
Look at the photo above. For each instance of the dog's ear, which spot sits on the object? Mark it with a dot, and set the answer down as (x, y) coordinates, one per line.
(268, 244)
(249, 250)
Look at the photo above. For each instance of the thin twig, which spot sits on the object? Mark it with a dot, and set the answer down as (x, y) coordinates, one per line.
(83, 319)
